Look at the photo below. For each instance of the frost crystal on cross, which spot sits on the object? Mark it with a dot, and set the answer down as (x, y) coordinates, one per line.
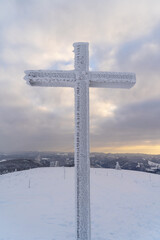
(81, 79)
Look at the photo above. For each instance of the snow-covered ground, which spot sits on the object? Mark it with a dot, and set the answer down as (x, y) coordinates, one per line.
(39, 204)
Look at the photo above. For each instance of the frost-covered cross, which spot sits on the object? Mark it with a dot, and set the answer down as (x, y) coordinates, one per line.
(81, 79)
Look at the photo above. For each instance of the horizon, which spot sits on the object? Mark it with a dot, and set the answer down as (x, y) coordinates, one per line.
(72, 152)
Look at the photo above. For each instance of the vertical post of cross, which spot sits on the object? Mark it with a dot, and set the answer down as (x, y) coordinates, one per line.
(82, 161)
(81, 79)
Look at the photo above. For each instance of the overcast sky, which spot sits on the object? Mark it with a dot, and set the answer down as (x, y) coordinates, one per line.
(124, 35)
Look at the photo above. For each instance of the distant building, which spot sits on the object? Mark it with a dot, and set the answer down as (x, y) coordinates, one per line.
(52, 164)
(139, 165)
(56, 164)
(117, 167)
(38, 158)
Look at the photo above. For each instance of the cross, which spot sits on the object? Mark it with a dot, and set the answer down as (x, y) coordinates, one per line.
(81, 79)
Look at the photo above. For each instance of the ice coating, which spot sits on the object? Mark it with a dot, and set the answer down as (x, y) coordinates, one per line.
(81, 59)
(81, 79)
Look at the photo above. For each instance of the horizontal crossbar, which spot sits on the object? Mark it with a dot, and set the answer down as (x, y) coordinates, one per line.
(49, 78)
(112, 79)
(60, 78)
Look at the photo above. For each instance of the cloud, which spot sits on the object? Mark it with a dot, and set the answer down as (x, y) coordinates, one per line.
(132, 124)
(123, 36)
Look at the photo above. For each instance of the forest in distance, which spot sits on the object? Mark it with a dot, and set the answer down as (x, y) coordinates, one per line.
(10, 162)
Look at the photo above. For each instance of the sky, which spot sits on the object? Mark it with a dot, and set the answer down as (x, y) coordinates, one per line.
(123, 36)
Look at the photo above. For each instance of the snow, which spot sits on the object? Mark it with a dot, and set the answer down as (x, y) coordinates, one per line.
(153, 164)
(3, 160)
(39, 204)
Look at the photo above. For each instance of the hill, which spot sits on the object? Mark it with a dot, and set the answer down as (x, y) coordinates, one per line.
(25, 160)
(38, 204)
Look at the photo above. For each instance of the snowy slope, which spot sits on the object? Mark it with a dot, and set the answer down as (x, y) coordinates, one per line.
(39, 205)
